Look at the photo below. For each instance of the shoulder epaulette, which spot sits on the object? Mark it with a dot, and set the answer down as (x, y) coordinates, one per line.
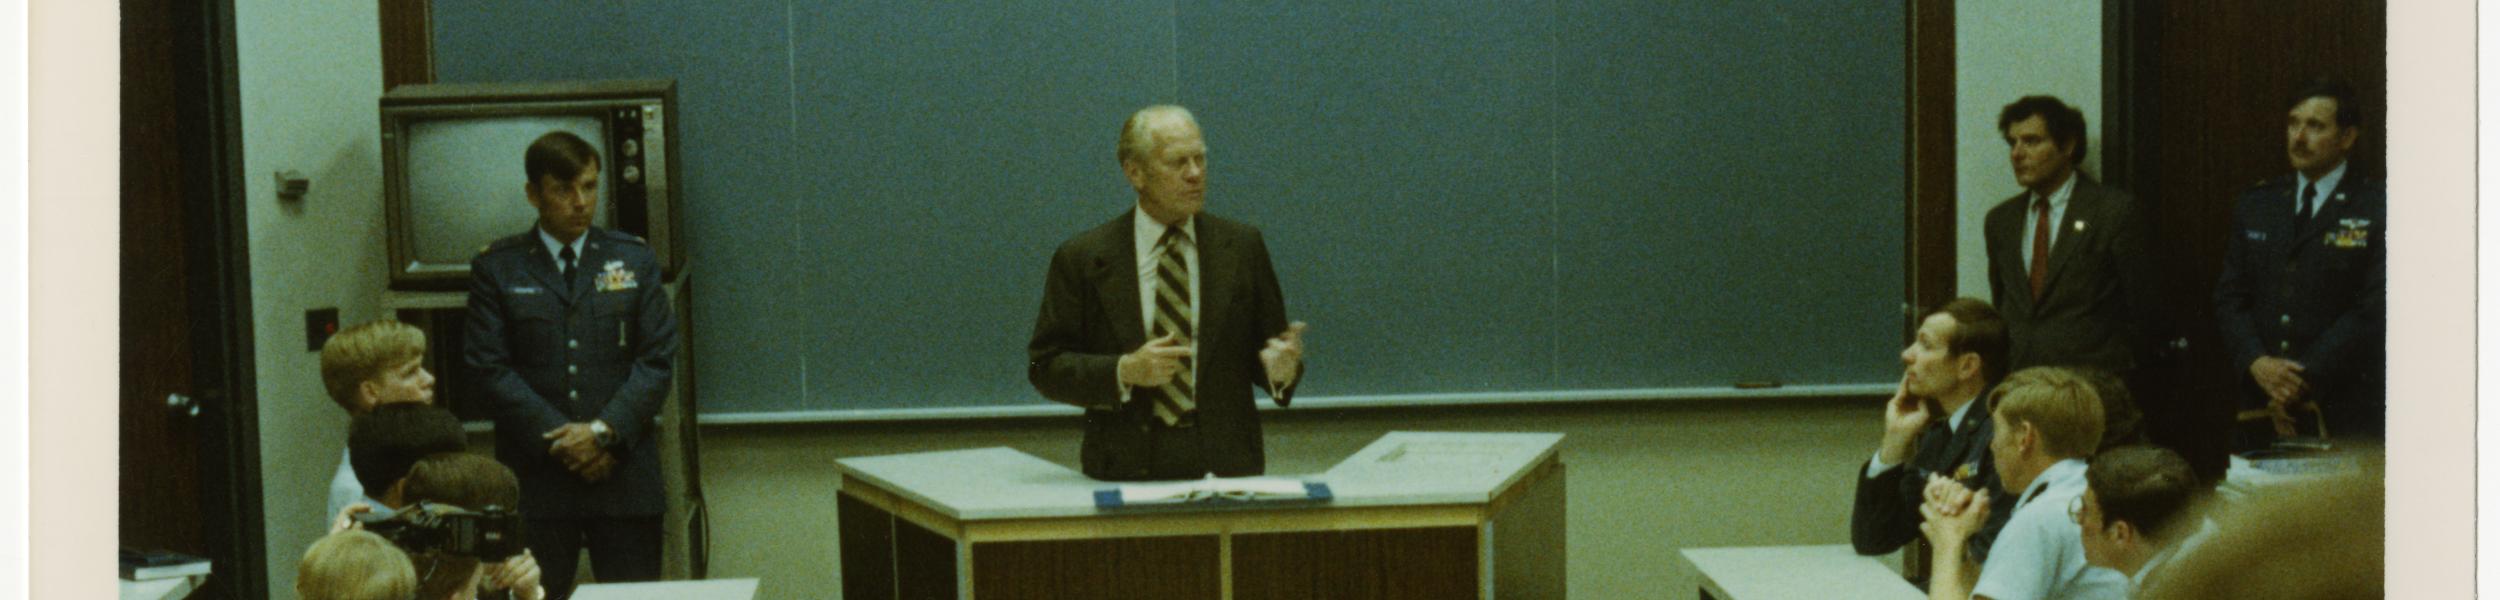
(507, 243)
(624, 237)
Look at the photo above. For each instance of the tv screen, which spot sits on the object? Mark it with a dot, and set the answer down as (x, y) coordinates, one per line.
(454, 180)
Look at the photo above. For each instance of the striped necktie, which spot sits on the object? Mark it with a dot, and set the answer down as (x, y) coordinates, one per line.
(1173, 315)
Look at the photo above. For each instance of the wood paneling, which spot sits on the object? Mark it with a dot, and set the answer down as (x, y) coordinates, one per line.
(1145, 568)
(1368, 564)
(407, 42)
(2205, 92)
(1932, 203)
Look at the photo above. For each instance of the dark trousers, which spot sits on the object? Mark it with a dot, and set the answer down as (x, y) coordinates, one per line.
(621, 549)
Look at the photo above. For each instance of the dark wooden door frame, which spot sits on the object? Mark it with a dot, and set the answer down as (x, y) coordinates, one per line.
(1933, 201)
(208, 106)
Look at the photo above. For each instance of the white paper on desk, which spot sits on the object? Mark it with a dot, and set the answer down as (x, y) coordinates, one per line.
(1236, 488)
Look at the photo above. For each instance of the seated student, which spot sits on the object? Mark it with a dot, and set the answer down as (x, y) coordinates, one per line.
(1960, 349)
(476, 482)
(371, 364)
(354, 565)
(384, 443)
(2047, 420)
(2134, 510)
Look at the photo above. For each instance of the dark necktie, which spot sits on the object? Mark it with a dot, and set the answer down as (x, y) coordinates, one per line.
(1172, 316)
(564, 268)
(2308, 198)
(2039, 246)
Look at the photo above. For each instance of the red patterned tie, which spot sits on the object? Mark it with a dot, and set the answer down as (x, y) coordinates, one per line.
(2039, 246)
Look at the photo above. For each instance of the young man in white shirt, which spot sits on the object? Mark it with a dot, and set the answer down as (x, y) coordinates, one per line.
(368, 365)
(2046, 420)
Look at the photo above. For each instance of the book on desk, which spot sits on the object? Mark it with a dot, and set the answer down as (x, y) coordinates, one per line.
(1212, 490)
(143, 565)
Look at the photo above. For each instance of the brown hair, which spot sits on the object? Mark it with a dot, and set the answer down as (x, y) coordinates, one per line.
(361, 353)
(2144, 485)
(559, 154)
(462, 479)
(1977, 328)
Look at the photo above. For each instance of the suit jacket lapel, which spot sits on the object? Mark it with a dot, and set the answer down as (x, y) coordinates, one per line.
(1213, 273)
(2014, 266)
(1119, 279)
(2082, 208)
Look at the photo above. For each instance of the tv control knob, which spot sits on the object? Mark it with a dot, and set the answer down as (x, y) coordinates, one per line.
(630, 147)
(633, 174)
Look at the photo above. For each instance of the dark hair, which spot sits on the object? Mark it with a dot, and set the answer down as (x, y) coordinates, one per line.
(2144, 485)
(462, 479)
(2118, 411)
(1977, 328)
(2065, 123)
(2347, 102)
(559, 153)
(382, 445)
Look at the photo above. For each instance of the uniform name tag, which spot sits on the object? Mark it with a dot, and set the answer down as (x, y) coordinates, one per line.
(2256, 236)
(524, 290)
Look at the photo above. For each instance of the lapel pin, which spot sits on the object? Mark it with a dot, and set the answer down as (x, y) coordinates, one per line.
(2078, 226)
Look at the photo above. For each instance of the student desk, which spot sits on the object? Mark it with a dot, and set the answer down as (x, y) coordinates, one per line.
(1799, 572)
(1414, 515)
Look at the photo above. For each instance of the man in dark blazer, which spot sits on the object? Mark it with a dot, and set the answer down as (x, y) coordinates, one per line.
(1159, 322)
(571, 340)
(1936, 427)
(2067, 258)
(2303, 298)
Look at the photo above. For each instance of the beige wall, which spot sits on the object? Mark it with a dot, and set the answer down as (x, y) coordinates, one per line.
(309, 72)
(1645, 479)
(2004, 51)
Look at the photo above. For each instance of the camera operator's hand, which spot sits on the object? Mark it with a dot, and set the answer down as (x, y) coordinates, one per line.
(519, 574)
(598, 468)
(575, 444)
(347, 517)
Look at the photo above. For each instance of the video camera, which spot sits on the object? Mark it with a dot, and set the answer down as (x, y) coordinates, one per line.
(490, 535)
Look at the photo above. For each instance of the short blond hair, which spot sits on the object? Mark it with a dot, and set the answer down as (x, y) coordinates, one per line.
(2059, 404)
(354, 565)
(1137, 135)
(361, 353)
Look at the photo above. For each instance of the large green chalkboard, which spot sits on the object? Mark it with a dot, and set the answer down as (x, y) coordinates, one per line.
(1469, 200)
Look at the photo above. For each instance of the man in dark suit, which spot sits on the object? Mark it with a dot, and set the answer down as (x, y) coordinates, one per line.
(2303, 296)
(1159, 322)
(2068, 263)
(571, 339)
(1936, 427)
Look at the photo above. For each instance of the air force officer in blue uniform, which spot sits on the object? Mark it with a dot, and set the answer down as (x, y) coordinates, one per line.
(571, 339)
(2303, 297)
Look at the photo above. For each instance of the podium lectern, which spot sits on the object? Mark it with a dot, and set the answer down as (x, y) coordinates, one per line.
(1414, 515)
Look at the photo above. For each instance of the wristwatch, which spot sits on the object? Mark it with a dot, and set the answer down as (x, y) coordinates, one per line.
(600, 432)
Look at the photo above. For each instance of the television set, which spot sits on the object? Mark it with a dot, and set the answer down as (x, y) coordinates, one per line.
(452, 172)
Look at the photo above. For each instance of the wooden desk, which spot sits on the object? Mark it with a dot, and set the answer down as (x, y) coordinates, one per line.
(701, 589)
(1801, 572)
(1415, 515)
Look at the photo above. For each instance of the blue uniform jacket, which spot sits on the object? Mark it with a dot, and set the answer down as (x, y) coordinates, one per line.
(545, 357)
(2317, 296)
